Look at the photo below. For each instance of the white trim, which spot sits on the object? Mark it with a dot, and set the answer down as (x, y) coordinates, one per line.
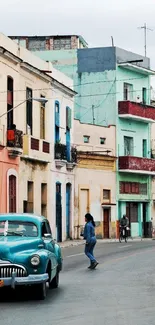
(134, 67)
(137, 118)
(144, 172)
(13, 172)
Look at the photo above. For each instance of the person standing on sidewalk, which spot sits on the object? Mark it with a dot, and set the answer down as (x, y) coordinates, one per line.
(89, 236)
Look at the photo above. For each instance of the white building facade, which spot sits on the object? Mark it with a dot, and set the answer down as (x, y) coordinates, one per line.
(47, 160)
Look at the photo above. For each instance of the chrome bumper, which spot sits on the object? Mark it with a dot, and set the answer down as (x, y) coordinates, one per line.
(29, 280)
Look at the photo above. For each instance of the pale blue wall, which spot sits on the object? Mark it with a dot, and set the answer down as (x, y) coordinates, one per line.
(138, 131)
(96, 89)
(63, 60)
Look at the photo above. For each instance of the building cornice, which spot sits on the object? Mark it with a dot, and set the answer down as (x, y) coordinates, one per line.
(8, 55)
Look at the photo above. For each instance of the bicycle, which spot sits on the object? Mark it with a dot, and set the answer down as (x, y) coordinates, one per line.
(123, 234)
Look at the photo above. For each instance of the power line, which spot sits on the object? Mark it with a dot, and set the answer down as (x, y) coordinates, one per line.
(89, 95)
(76, 85)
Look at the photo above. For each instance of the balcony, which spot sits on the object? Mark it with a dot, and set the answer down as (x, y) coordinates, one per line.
(61, 158)
(136, 165)
(36, 149)
(136, 111)
(60, 155)
(73, 160)
(14, 143)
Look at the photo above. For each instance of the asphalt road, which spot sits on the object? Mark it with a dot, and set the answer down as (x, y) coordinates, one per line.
(121, 291)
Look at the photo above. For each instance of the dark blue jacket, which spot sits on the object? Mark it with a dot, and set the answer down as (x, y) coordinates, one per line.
(89, 233)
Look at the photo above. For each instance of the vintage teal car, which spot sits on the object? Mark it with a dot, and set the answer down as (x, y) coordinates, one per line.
(28, 254)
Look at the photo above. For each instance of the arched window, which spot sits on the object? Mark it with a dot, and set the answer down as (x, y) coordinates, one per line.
(12, 191)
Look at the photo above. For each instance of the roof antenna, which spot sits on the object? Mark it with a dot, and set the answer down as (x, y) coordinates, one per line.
(112, 40)
(145, 35)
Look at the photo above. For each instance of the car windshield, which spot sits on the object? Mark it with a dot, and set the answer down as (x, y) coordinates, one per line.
(18, 228)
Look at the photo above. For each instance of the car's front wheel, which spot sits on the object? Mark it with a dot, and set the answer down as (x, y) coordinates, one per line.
(55, 282)
(41, 291)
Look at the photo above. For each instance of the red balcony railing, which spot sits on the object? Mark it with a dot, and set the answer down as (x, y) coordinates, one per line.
(136, 109)
(136, 163)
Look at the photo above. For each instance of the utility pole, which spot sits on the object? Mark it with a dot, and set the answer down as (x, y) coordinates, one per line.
(145, 35)
(93, 112)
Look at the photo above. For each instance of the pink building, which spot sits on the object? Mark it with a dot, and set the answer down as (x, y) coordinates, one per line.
(9, 165)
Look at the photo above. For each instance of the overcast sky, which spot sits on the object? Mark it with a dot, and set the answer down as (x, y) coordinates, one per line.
(95, 20)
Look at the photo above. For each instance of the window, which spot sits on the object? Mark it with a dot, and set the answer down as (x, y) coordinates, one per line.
(86, 139)
(68, 118)
(44, 199)
(133, 188)
(42, 119)
(57, 108)
(144, 94)
(12, 193)
(57, 121)
(18, 228)
(106, 195)
(29, 110)
(62, 43)
(128, 91)
(143, 189)
(48, 228)
(36, 44)
(9, 102)
(128, 146)
(144, 144)
(102, 140)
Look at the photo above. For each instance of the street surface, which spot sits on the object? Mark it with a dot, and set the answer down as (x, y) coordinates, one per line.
(121, 291)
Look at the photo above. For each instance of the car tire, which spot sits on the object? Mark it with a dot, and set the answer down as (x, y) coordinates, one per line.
(55, 282)
(41, 291)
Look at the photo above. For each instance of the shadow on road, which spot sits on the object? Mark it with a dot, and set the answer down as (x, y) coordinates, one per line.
(28, 295)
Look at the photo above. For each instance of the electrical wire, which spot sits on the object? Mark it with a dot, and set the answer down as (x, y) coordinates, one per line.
(77, 85)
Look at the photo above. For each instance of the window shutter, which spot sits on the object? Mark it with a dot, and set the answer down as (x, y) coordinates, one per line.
(68, 118)
(121, 187)
(57, 114)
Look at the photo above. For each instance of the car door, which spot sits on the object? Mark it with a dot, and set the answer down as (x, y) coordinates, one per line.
(49, 243)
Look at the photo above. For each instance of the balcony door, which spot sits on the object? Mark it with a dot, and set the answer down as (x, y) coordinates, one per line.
(128, 91)
(128, 146)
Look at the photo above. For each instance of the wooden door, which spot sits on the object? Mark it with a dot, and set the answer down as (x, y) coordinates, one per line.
(106, 223)
(84, 205)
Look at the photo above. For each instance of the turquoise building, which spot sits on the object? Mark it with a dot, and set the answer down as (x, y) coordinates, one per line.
(113, 87)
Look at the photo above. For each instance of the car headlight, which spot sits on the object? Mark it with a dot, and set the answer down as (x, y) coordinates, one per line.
(35, 260)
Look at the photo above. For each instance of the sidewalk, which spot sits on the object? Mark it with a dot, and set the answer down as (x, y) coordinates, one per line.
(73, 243)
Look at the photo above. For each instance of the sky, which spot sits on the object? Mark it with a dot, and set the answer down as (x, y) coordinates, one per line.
(95, 20)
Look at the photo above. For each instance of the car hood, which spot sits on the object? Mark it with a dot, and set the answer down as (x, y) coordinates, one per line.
(11, 247)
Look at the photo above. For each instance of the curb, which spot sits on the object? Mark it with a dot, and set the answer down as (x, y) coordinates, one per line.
(102, 241)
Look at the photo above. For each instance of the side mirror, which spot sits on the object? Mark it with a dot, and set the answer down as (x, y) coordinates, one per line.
(47, 236)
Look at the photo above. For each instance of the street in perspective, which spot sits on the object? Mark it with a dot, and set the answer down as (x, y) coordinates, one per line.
(119, 291)
(77, 162)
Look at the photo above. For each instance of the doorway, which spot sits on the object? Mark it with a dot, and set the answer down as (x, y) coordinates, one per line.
(145, 232)
(132, 214)
(106, 223)
(68, 209)
(58, 212)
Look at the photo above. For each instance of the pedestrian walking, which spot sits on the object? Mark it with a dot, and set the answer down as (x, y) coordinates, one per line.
(89, 236)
